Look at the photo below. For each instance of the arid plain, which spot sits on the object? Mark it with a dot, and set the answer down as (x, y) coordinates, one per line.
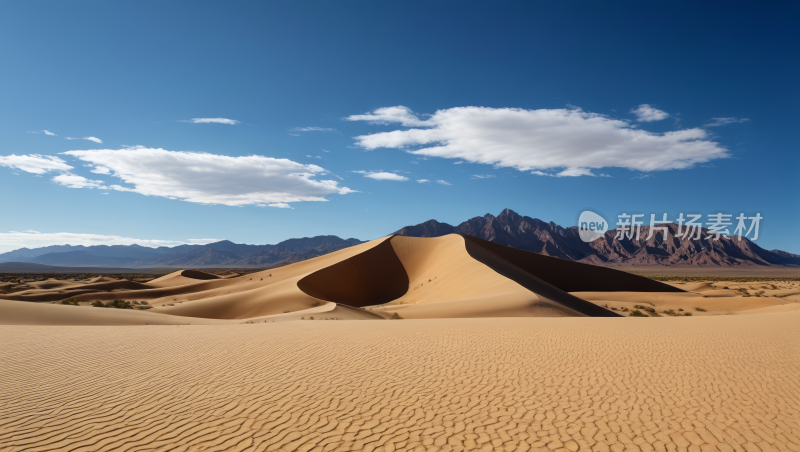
(447, 343)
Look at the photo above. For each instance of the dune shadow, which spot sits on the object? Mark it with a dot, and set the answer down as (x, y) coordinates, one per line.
(373, 277)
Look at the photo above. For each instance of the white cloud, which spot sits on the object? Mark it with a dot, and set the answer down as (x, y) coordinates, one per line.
(280, 205)
(458, 162)
(213, 121)
(646, 113)
(325, 151)
(313, 156)
(74, 181)
(716, 122)
(382, 175)
(482, 176)
(443, 182)
(46, 132)
(34, 163)
(212, 179)
(422, 181)
(547, 139)
(95, 139)
(414, 163)
(390, 115)
(101, 170)
(312, 129)
(13, 240)
(540, 173)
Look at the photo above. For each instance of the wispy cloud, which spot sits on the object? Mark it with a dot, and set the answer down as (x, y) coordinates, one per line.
(312, 129)
(74, 181)
(212, 121)
(46, 132)
(94, 139)
(646, 113)
(382, 175)
(391, 115)
(34, 163)
(313, 156)
(422, 181)
(570, 141)
(482, 176)
(443, 182)
(210, 178)
(13, 240)
(716, 122)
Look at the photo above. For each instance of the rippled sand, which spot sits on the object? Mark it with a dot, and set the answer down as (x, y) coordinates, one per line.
(726, 383)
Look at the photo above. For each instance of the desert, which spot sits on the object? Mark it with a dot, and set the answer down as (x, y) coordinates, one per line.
(374, 226)
(402, 343)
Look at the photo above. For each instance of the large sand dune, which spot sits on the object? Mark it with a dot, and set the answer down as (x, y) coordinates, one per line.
(416, 278)
(710, 384)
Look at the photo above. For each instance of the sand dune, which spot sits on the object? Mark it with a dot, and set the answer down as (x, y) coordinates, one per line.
(443, 277)
(711, 384)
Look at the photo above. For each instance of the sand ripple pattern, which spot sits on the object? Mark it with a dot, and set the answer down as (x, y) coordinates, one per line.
(563, 384)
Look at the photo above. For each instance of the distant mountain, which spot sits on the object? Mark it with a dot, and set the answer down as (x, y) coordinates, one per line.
(220, 254)
(531, 234)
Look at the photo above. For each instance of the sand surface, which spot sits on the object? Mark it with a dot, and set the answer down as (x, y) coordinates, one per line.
(689, 384)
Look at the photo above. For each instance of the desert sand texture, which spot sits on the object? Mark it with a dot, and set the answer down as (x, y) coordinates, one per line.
(699, 384)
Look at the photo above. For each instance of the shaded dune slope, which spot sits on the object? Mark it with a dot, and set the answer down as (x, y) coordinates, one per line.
(373, 277)
(572, 276)
(559, 299)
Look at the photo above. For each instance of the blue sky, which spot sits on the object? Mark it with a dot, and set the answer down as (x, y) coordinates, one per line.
(538, 101)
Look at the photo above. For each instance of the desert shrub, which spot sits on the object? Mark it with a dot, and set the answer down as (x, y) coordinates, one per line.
(624, 309)
(70, 302)
(395, 316)
(670, 312)
(637, 313)
(700, 309)
(118, 304)
(135, 302)
(687, 313)
(144, 303)
(680, 309)
(638, 306)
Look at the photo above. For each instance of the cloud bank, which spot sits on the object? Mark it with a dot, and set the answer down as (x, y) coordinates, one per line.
(207, 178)
(570, 140)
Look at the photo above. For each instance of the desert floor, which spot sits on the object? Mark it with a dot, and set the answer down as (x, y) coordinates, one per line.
(698, 384)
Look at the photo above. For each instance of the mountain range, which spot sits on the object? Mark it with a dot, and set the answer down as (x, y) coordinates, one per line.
(508, 228)
(531, 234)
(219, 254)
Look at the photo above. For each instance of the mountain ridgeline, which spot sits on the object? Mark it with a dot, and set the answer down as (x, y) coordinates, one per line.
(531, 234)
(219, 254)
(509, 228)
